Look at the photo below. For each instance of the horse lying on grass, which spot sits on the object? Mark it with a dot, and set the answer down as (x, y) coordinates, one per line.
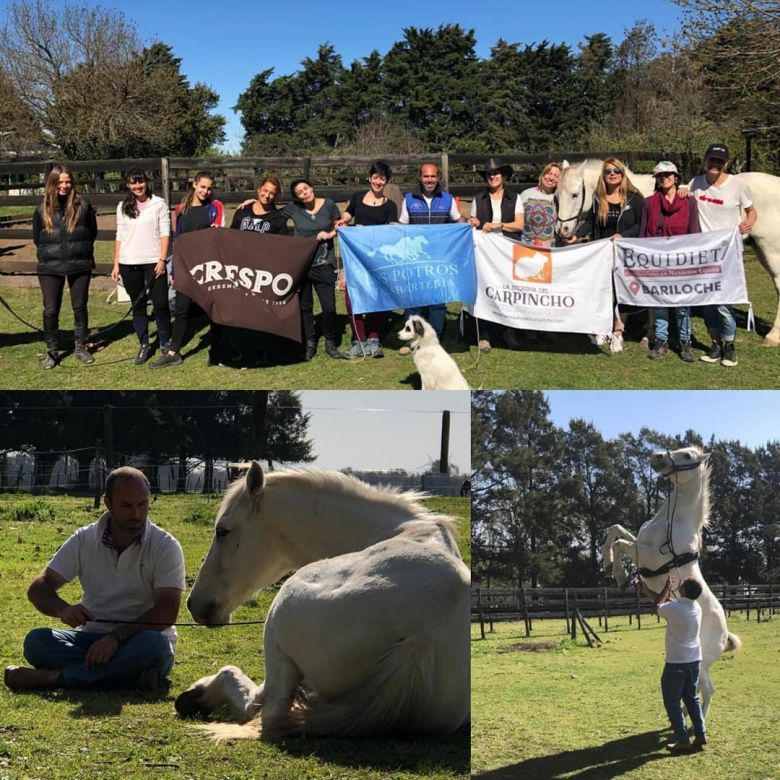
(575, 197)
(371, 633)
(671, 542)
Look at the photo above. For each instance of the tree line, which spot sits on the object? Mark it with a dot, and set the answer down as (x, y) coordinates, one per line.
(89, 90)
(544, 496)
(175, 425)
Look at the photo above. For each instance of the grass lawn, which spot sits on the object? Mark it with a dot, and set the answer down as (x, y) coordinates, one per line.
(64, 735)
(574, 712)
(565, 361)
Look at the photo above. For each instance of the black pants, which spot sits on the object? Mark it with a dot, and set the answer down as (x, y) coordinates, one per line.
(181, 311)
(135, 279)
(53, 288)
(321, 278)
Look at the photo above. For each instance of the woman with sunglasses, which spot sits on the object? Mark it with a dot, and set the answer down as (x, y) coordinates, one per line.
(668, 214)
(616, 212)
(143, 231)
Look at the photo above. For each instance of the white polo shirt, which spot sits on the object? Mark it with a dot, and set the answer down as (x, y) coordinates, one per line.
(120, 587)
(683, 623)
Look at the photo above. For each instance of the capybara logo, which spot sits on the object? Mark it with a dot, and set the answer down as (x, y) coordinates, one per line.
(531, 264)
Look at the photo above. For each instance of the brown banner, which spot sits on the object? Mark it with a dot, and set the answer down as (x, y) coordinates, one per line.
(244, 279)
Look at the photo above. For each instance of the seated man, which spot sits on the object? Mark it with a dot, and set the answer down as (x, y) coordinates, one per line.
(131, 572)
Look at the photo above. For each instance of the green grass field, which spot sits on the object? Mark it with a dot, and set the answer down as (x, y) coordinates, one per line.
(575, 712)
(63, 735)
(565, 361)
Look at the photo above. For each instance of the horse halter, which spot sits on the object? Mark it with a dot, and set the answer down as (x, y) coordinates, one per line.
(578, 216)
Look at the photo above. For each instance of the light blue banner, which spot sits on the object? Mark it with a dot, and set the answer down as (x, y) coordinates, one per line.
(408, 266)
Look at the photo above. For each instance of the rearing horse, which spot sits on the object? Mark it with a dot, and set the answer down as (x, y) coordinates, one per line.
(371, 632)
(670, 544)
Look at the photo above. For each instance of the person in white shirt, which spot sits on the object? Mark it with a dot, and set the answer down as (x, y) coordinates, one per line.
(132, 576)
(143, 228)
(683, 660)
(721, 198)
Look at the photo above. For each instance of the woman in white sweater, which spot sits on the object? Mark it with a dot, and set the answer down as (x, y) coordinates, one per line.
(143, 230)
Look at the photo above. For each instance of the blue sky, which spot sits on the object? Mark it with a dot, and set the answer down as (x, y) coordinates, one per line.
(225, 45)
(749, 416)
(368, 429)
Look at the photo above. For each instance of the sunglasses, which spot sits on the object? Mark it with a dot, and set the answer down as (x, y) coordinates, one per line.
(136, 180)
(618, 171)
(663, 175)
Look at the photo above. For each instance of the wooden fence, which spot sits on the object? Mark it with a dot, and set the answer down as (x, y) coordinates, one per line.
(492, 605)
(235, 178)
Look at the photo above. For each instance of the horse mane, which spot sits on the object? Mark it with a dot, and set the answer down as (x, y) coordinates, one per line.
(328, 480)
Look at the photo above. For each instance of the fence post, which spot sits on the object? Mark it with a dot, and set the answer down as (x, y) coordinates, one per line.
(165, 179)
(726, 600)
(566, 608)
(307, 167)
(749, 592)
(98, 475)
(606, 611)
(479, 612)
(445, 171)
(524, 608)
(574, 619)
(638, 610)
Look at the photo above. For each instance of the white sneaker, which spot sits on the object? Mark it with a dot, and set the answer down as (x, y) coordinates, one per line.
(597, 339)
(616, 343)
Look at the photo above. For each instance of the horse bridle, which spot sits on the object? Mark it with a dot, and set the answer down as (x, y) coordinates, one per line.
(677, 560)
(577, 217)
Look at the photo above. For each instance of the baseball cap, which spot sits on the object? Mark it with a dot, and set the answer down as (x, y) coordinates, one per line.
(665, 167)
(718, 151)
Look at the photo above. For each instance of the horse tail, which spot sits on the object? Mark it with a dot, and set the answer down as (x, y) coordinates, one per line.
(395, 698)
(220, 732)
(733, 642)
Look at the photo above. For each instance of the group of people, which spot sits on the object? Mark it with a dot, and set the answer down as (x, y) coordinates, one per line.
(65, 228)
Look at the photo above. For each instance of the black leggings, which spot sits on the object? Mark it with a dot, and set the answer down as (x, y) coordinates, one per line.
(53, 288)
(321, 278)
(135, 279)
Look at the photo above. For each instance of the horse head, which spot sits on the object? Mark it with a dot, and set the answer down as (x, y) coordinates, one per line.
(245, 553)
(678, 463)
(574, 194)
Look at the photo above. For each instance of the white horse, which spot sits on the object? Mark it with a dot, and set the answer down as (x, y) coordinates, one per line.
(669, 545)
(575, 198)
(371, 633)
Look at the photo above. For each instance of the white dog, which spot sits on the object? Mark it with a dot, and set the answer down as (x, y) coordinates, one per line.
(438, 371)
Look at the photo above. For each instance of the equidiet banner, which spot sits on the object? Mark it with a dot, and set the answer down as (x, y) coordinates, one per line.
(524, 286)
(691, 270)
(405, 266)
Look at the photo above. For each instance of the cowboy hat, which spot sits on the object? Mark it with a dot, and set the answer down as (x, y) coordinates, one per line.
(495, 164)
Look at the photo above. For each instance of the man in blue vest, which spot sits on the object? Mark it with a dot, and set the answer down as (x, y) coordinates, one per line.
(429, 205)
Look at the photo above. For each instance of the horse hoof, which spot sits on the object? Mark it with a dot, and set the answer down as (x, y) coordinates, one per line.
(190, 703)
(767, 342)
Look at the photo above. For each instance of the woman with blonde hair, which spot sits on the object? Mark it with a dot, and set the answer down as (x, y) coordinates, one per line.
(616, 212)
(539, 209)
(64, 232)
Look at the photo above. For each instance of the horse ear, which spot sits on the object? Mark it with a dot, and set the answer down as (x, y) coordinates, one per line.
(564, 165)
(255, 479)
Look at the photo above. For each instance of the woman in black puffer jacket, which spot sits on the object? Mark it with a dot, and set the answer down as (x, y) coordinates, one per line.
(64, 230)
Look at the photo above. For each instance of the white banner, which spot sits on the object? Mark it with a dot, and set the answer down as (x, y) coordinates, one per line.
(692, 270)
(523, 286)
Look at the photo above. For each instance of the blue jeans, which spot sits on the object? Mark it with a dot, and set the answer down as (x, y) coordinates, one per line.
(46, 648)
(720, 321)
(683, 323)
(679, 681)
(436, 315)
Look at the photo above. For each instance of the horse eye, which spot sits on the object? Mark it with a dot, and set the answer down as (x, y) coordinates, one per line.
(220, 532)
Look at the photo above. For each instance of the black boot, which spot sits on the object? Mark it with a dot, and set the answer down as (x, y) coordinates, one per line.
(51, 359)
(80, 350)
(333, 351)
(310, 349)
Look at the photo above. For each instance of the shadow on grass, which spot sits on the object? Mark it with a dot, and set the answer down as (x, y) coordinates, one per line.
(105, 704)
(602, 762)
(449, 753)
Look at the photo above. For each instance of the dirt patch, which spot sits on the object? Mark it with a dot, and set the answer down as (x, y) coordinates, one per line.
(529, 647)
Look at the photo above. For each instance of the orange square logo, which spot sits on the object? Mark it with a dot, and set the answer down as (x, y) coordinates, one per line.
(531, 264)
